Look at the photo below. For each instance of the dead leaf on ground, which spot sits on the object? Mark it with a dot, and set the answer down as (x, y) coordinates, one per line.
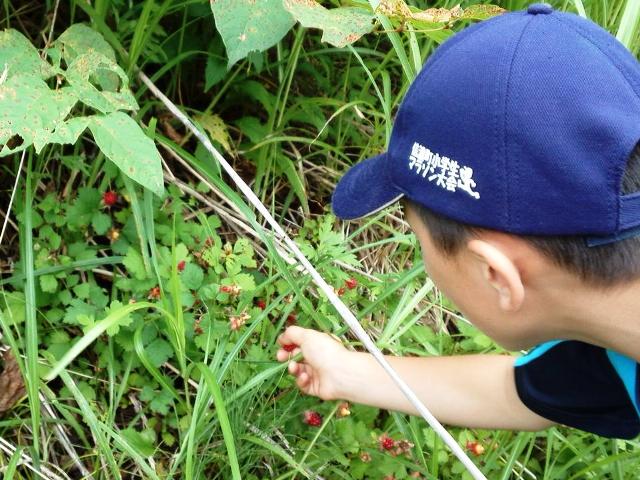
(11, 383)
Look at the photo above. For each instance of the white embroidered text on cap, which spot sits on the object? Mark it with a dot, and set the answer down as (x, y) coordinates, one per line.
(447, 173)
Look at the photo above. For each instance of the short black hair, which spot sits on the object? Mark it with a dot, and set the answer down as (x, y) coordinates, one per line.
(603, 266)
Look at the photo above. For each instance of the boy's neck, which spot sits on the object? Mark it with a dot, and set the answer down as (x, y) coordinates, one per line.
(608, 318)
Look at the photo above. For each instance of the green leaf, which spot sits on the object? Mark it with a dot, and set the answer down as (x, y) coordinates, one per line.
(192, 276)
(141, 442)
(48, 283)
(250, 25)
(134, 263)
(90, 67)
(214, 72)
(124, 143)
(340, 26)
(101, 222)
(20, 57)
(31, 110)
(159, 351)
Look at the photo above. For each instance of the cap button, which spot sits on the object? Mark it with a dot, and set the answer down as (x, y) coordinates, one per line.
(536, 8)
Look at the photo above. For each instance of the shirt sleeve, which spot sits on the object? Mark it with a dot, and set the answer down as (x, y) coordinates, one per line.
(582, 386)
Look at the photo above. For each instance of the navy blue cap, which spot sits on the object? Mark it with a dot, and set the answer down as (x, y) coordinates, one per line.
(521, 123)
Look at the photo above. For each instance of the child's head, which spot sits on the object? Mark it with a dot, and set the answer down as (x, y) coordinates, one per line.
(526, 127)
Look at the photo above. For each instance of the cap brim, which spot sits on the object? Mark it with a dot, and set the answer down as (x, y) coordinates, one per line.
(364, 189)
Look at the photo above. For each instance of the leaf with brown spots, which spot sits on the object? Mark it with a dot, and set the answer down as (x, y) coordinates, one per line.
(250, 25)
(340, 26)
(11, 382)
(125, 144)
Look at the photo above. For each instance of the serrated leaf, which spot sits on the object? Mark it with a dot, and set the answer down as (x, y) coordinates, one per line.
(192, 276)
(159, 351)
(48, 283)
(250, 25)
(134, 263)
(340, 26)
(89, 66)
(20, 57)
(101, 222)
(124, 143)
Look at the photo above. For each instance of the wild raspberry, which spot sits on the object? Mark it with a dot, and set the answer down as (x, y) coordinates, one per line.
(351, 283)
(386, 442)
(113, 234)
(343, 410)
(312, 418)
(181, 265)
(475, 448)
(290, 347)
(109, 198)
(154, 293)
(230, 289)
(261, 304)
(291, 319)
(339, 291)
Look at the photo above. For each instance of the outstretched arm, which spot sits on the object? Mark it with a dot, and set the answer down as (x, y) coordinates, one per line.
(475, 391)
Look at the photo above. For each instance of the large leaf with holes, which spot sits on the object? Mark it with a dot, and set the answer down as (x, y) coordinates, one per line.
(123, 142)
(340, 26)
(85, 70)
(250, 25)
(79, 39)
(30, 111)
(18, 56)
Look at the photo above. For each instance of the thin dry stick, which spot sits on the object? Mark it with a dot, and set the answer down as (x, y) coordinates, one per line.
(13, 194)
(341, 308)
(44, 472)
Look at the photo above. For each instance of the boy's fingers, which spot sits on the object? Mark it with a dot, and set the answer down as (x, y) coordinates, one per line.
(303, 380)
(293, 367)
(293, 334)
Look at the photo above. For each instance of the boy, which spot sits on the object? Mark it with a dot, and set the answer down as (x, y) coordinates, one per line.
(516, 155)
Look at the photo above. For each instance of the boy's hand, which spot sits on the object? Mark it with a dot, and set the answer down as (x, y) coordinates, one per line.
(318, 373)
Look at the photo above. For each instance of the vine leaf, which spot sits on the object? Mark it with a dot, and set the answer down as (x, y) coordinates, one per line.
(18, 56)
(340, 26)
(123, 142)
(30, 112)
(87, 67)
(250, 25)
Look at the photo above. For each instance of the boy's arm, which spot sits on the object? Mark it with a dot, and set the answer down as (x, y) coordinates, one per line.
(475, 391)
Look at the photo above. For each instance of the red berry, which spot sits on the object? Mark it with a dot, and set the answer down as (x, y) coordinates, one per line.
(291, 319)
(351, 283)
(340, 291)
(261, 304)
(386, 442)
(289, 348)
(313, 418)
(181, 265)
(154, 293)
(109, 198)
(475, 447)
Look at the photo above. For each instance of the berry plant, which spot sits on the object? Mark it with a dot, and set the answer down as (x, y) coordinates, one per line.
(141, 295)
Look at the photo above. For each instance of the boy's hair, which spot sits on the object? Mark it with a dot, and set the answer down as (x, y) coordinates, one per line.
(603, 266)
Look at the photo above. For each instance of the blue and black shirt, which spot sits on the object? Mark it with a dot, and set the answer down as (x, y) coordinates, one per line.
(582, 386)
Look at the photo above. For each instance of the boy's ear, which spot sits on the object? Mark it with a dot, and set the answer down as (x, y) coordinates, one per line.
(500, 273)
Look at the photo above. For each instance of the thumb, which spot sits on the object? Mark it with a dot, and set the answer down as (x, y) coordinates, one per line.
(293, 334)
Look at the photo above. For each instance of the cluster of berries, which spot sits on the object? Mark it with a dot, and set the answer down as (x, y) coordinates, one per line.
(394, 447)
(349, 284)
